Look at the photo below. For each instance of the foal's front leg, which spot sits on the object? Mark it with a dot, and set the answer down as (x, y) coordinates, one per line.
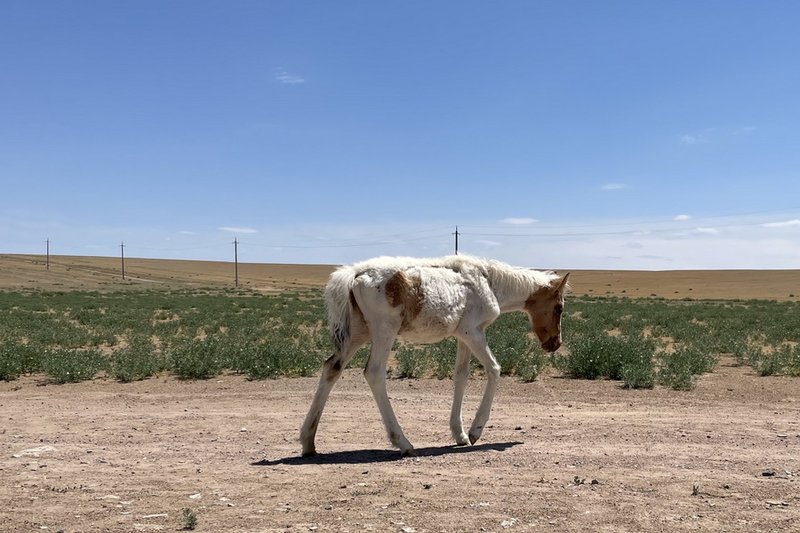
(476, 341)
(460, 377)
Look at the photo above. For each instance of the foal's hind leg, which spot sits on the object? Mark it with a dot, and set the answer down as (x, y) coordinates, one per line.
(460, 377)
(375, 373)
(331, 371)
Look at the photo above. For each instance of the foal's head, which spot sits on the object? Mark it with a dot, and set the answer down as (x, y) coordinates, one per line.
(545, 307)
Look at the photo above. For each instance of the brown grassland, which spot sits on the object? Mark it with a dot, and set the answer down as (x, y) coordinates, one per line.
(559, 454)
(104, 273)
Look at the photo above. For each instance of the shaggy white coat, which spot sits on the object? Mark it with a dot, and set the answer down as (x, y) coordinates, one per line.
(460, 296)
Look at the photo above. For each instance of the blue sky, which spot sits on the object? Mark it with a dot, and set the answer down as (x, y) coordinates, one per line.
(558, 134)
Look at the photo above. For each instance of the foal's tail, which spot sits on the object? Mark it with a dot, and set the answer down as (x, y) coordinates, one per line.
(339, 305)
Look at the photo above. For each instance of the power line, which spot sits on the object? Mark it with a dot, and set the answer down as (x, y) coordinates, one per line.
(698, 218)
(340, 245)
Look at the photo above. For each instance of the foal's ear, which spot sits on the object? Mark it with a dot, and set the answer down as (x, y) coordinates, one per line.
(563, 287)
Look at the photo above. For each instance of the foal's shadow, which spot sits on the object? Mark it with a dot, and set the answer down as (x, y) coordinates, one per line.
(355, 457)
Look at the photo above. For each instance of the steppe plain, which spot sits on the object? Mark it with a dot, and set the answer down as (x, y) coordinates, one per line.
(559, 454)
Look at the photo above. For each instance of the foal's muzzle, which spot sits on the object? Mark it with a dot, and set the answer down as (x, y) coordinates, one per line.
(552, 344)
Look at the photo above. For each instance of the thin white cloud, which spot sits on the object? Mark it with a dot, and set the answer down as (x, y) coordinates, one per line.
(708, 135)
(744, 130)
(682, 217)
(187, 232)
(707, 231)
(283, 76)
(233, 229)
(488, 243)
(654, 257)
(613, 186)
(693, 138)
(784, 224)
(519, 221)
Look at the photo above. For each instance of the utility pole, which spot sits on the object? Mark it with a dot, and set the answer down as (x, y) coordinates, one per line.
(48, 255)
(122, 255)
(236, 259)
(456, 234)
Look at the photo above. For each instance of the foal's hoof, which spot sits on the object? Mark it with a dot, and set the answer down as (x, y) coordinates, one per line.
(473, 438)
(463, 440)
(309, 453)
(411, 452)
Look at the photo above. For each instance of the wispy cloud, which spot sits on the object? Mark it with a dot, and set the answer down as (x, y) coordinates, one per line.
(488, 243)
(283, 76)
(744, 130)
(693, 138)
(613, 186)
(707, 231)
(187, 232)
(784, 224)
(233, 229)
(519, 221)
(715, 134)
(681, 218)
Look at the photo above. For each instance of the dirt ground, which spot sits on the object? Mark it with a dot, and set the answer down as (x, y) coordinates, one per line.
(558, 455)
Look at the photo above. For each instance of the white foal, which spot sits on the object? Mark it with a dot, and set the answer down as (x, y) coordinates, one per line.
(426, 300)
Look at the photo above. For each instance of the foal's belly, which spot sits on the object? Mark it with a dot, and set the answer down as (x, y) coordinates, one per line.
(438, 318)
(430, 333)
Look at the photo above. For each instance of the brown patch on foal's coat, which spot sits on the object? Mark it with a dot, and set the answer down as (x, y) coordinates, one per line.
(406, 292)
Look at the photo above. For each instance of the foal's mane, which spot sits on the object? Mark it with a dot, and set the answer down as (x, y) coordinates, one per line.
(510, 279)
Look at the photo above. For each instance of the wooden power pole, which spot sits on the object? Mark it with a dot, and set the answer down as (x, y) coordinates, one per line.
(456, 234)
(122, 255)
(236, 260)
(47, 263)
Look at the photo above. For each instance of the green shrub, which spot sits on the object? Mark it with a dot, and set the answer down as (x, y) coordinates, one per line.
(587, 358)
(30, 358)
(264, 361)
(360, 359)
(601, 355)
(770, 363)
(137, 361)
(443, 355)
(793, 361)
(701, 362)
(533, 365)
(196, 359)
(412, 361)
(676, 371)
(638, 370)
(10, 366)
(299, 354)
(510, 344)
(189, 519)
(72, 366)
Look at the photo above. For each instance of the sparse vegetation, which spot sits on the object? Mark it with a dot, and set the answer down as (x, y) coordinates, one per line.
(10, 364)
(138, 361)
(72, 366)
(189, 519)
(73, 336)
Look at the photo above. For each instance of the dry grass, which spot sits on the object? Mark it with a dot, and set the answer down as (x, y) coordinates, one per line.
(103, 273)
